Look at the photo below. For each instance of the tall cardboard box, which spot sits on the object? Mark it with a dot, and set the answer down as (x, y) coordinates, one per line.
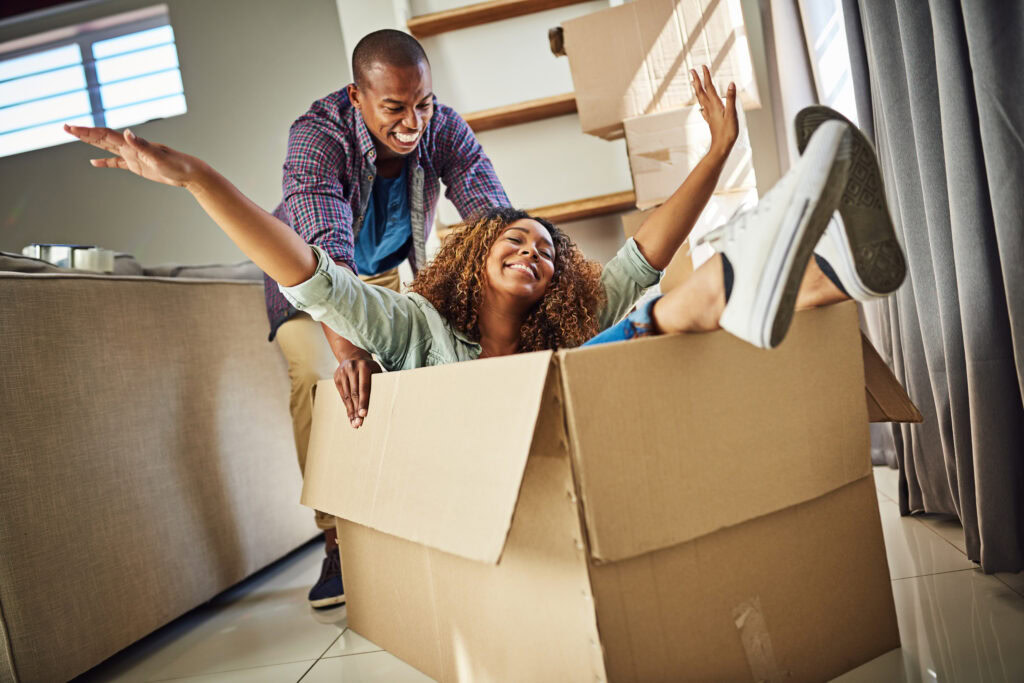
(663, 149)
(665, 509)
(634, 59)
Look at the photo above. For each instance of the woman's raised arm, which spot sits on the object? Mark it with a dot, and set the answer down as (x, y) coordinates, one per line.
(663, 232)
(272, 245)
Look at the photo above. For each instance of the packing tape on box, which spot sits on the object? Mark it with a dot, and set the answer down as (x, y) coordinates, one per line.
(757, 644)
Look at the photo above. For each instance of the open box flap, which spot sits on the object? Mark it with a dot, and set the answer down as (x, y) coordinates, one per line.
(887, 399)
(440, 457)
(676, 437)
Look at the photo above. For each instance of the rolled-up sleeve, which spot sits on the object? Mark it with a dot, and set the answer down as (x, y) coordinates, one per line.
(377, 319)
(624, 279)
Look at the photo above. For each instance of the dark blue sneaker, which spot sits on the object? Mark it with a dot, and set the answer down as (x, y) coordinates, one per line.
(328, 591)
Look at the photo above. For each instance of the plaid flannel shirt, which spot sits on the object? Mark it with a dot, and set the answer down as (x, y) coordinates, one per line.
(329, 171)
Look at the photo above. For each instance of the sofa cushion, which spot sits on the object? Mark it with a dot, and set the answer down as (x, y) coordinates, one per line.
(245, 270)
(20, 263)
(124, 264)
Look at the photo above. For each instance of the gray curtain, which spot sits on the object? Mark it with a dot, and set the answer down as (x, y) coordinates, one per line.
(939, 85)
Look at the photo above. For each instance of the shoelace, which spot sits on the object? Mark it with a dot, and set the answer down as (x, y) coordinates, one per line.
(733, 226)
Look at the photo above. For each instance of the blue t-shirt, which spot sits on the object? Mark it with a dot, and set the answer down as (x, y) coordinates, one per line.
(386, 236)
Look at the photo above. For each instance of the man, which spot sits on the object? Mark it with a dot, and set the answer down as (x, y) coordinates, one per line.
(361, 180)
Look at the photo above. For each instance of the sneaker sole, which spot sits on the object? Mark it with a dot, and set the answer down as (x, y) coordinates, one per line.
(877, 256)
(327, 602)
(813, 227)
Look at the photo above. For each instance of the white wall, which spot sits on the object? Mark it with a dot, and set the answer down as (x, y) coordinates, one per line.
(250, 67)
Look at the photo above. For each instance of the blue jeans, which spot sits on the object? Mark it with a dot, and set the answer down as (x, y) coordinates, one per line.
(636, 324)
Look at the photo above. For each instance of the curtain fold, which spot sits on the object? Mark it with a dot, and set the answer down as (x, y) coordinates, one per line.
(940, 81)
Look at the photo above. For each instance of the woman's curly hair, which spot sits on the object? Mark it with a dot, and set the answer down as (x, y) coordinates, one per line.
(454, 284)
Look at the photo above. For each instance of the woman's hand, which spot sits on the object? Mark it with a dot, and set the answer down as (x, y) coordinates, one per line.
(720, 116)
(149, 160)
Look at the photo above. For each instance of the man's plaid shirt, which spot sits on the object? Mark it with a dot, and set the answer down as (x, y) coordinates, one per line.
(329, 171)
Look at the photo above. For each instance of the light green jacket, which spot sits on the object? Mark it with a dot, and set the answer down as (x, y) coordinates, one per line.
(405, 331)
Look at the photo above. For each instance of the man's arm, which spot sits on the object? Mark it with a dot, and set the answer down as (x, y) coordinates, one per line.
(314, 193)
(468, 175)
(321, 214)
(668, 226)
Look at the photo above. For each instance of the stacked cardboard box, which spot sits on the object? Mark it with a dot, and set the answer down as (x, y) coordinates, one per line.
(634, 59)
(664, 148)
(630, 67)
(673, 508)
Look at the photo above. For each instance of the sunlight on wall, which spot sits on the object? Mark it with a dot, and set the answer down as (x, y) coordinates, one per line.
(825, 32)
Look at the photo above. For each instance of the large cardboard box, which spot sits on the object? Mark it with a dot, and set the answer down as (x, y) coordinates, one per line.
(634, 59)
(671, 508)
(663, 149)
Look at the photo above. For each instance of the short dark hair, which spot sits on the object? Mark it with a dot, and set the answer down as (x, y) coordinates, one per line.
(386, 46)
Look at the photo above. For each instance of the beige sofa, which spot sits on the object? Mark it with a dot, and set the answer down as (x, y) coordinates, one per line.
(146, 459)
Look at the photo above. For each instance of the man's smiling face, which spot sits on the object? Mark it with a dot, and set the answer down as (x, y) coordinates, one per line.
(396, 104)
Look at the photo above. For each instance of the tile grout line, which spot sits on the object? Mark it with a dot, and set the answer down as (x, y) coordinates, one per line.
(924, 576)
(355, 654)
(1009, 586)
(226, 671)
(926, 526)
(306, 672)
(949, 542)
(955, 546)
(321, 656)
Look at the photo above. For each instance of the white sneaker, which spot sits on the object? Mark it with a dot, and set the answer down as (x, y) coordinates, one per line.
(767, 247)
(860, 245)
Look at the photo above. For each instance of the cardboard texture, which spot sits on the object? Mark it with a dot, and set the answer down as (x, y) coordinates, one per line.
(663, 149)
(392, 488)
(887, 400)
(691, 528)
(634, 59)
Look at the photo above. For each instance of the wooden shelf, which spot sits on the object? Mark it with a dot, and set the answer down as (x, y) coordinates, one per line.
(481, 13)
(605, 204)
(524, 112)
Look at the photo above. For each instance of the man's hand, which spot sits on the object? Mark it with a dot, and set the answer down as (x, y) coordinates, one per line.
(352, 378)
(720, 116)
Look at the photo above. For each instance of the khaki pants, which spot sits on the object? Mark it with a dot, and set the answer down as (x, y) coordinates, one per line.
(310, 360)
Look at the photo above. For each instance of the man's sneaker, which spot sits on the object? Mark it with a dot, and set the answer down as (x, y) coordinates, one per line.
(328, 591)
(860, 245)
(765, 250)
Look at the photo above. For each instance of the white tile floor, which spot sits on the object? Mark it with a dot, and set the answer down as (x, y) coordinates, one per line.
(956, 623)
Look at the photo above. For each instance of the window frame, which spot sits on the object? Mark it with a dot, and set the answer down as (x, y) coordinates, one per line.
(85, 37)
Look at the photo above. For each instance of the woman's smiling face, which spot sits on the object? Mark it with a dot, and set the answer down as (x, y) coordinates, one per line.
(521, 261)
